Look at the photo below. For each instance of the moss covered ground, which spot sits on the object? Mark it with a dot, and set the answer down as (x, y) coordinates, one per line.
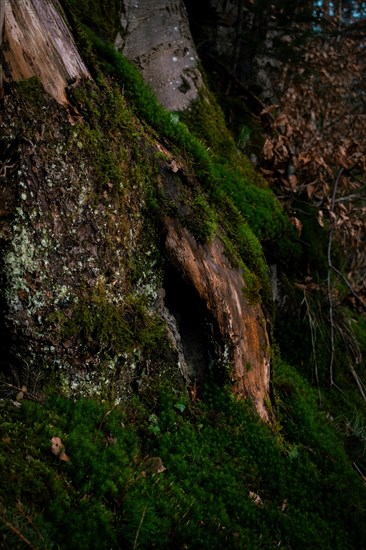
(161, 471)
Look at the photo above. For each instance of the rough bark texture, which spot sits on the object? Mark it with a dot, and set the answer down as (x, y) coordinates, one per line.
(60, 240)
(155, 35)
(37, 42)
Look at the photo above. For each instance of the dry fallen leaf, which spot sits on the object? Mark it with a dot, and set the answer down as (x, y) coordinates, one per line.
(58, 449)
(297, 223)
(268, 149)
(153, 465)
(175, 166)
(255, 498)
(321, 218)
(269, 110)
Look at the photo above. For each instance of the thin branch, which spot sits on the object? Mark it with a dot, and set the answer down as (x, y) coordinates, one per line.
(29, 518)
(139, 528)
(331, 320)
(312, 325)
(359, 471)
(350, 198)
(340, 172)
(331, 124)
(348, 284)
(359, 383)
(17, 533)
(330, 267)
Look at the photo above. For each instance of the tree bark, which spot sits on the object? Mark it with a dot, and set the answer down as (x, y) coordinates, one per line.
(155, 35)
(68, 240)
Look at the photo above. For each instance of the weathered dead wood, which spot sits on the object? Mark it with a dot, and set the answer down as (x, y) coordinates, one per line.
(241, 324)
(37, 42)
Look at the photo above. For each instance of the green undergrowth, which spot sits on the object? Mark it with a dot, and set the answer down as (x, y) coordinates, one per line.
(306, 337)
(160, 471)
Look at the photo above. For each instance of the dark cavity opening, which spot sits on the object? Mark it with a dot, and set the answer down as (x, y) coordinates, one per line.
(195, 323)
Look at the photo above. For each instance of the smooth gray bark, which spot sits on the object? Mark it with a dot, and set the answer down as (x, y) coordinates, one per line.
(155, 35)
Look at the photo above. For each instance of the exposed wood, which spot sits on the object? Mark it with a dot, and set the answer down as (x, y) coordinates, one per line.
(37, 42)
(241, 324)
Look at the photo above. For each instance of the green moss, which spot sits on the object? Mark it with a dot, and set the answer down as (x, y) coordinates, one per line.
(102, 16)
(46, 500)
(233, 175)
(202, 220)
(217, 460)
(250, 174)
(32, 97)
(31, 88)
(217, 456)
(257, 205)
(110, 137)
(146, 105)
(253, 288)
(114, 329)
(246, 247)
(206, 121)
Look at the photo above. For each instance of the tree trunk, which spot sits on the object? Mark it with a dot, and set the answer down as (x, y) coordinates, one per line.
(155, 35)
(72, 222)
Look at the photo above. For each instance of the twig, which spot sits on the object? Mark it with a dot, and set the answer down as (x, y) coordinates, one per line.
(349, 197)
(105, 416)
(139, 528)
(359, 471)
(21, 510)
(5, 167)
(312, 325)
(19, 388)
(340, 391)
(331, 320)
(359, 383)
(330, 267)
(17, 532)
(350, 288)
